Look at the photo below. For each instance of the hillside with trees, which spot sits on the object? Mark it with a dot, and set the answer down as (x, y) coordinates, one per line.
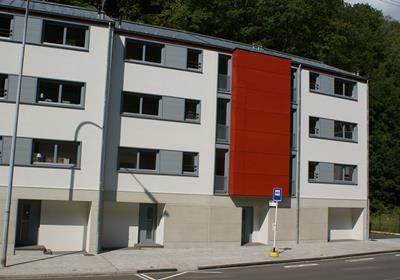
(356, 38)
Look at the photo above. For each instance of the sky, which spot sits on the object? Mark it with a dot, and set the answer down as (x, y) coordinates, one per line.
(388, 7)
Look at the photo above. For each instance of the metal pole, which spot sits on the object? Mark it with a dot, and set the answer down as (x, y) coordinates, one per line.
(298, 153)
(7, 206)
(275, 226)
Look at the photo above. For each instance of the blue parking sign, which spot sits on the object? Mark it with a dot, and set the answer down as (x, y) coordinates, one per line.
(277, 194)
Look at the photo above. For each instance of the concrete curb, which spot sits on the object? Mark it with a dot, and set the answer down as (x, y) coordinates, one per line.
(208, 267)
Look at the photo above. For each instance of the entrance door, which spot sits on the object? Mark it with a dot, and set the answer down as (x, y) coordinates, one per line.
(147, 223)
(28, 221)
(247, 224)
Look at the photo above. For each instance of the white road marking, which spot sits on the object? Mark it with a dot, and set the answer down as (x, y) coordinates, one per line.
(145, 277)
(172, 276)
(206, 272)
(398, 255)
(301, 265)
(361, 260)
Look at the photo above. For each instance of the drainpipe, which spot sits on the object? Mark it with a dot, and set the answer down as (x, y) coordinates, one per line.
(104, 132)
(7, 207)
(298, 153)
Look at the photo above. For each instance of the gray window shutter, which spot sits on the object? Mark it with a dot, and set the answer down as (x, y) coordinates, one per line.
(171, 162)
(28, 89)
(34, 32)
(355, 133)
(23, 151)
(325, 172)
(354, 179)
(355, 91)
(173, 108)
(175, 56)
(326, 84)
(326, 128)
(1, 149)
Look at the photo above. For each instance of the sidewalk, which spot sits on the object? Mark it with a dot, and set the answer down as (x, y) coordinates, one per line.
(129, 261)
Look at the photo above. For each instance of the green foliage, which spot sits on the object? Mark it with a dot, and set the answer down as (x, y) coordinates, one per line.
(356, 38)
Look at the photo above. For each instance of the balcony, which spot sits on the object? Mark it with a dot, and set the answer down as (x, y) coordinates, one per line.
(220, 184)
(222, 133)
(224, 83)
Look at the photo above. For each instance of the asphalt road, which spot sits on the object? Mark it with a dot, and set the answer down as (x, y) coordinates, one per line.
(377, 267)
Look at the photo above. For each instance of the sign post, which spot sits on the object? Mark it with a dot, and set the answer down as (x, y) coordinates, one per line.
(277, 197)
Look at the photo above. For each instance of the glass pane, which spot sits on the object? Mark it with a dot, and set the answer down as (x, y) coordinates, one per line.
(127, 158)
(189, 162)
(53, 33)
(313, 81)
(348, 89)
(131, 103)
(191, 110)
(312, 168)
(223, 64)
(134, 50)
(193, 59)
(147, 160)
(153, 53)
(2, 86)
(150, 105)
(76, 36)
(221, 111)
(348, 131)
(5, 26)
(338, 129)
(48, 91)
(71, 94)
(348, 173)
(43, 152)
(313, 125)
(220, 162)
(338, 172)
(338, 87)
(67, 153)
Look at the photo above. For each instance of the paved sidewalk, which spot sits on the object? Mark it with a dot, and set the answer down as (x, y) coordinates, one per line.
(129, 261)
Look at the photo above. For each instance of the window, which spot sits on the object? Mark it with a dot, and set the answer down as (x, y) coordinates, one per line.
(189, 162)
(67, 93)
(344, 88)
(344, 130)
(55, 152)
(314, 126)
(3, 86)
(141, 104)
(314, 83)
(192, 110)
(5, 26)
(313, 170)
(62, 34)
(144, 51)
(143, 159)
(224, 78)
(193, 59)
(344, 173)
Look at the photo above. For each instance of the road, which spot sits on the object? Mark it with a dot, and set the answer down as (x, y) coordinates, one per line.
(377, 267)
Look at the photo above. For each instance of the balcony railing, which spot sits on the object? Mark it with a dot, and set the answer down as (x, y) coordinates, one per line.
(221, 184)
(222, 133)
(224, 83)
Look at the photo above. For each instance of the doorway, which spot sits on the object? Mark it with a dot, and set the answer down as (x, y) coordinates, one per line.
(247, 224)
(147, 223)
(28, 221)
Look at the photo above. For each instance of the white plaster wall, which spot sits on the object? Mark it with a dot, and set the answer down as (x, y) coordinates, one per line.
(156, 134)
(63, 225)
(60, 123)
(314, 149)
(120, 224)
(161, 216)
(260, 225)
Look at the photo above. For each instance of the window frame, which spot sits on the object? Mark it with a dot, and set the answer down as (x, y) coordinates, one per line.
(5, 89)
(198, 110)
(138, 169)
(316, 83)
(141, 96)
(55, 144)
(65, 26)
(11, 18)
(316, 171)
(316, 128)
(144, 48)
(199, 52)
(61, 84)
(343, 88)
(343, 167)
(196, 163)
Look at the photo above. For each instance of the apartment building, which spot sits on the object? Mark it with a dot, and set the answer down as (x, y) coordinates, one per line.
(136, 135)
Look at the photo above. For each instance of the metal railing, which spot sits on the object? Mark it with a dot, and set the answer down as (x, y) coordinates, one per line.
(221, 184)
(224, 83)
(222, 133)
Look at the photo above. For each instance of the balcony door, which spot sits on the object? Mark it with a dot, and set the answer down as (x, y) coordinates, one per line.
(28, 221)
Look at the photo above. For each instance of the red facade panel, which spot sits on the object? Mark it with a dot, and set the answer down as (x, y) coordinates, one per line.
(260, 124)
